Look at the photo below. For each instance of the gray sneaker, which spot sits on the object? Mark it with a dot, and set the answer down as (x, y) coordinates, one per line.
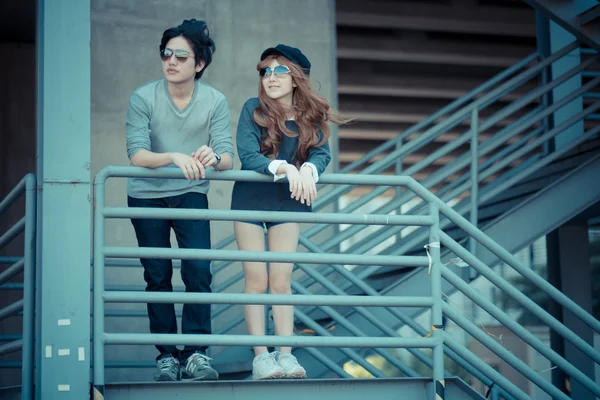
(197, 367)
(168, 369)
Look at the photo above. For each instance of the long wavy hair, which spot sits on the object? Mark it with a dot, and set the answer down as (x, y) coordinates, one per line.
(311, 113)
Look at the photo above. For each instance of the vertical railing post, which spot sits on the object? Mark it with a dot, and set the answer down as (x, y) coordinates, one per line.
(98, 287)
(29, 299)
(437, 326)
(266, 307)
(494, 395)
(474, 215)
(399, 189)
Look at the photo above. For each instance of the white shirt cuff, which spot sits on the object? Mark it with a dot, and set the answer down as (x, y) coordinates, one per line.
(315, 173)
(274, 166)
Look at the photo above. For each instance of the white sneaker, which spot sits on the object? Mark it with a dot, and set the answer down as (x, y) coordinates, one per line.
(265, 366)
(291, 367)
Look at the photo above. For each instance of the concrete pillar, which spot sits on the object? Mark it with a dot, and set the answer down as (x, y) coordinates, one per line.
(569, 270)
(64, 197)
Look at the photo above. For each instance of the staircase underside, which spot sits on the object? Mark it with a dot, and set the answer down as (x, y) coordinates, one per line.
(330, 389)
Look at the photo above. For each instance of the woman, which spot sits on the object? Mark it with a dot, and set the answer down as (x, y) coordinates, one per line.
(282, 133)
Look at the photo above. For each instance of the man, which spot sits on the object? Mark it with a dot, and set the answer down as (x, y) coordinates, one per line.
(178, 122)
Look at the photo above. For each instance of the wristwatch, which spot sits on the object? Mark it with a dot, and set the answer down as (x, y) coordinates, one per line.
(218, 157)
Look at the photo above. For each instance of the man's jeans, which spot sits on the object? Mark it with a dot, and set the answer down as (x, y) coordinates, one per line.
(195, 274)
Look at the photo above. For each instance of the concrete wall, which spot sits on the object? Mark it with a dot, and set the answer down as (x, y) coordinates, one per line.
(125, 39)
(17, 158)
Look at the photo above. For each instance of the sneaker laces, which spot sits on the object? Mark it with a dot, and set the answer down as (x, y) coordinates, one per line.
(165, 363)
(197, 360)
(267, 358)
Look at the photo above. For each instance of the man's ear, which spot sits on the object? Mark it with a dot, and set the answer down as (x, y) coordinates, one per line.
(200, 66)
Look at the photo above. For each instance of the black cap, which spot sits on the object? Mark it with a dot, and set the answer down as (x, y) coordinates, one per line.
(291, 53)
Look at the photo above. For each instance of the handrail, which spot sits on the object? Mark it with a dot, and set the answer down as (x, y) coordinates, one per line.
(25, 265)
(101, 295)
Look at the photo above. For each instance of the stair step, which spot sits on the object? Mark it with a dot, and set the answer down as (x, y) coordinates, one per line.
(290, 389)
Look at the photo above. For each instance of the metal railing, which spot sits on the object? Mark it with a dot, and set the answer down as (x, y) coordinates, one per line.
(440, 341)
(26, 266)
(101, 295)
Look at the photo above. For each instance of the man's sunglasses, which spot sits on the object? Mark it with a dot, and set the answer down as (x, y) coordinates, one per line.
(279, 70)
(181, 55)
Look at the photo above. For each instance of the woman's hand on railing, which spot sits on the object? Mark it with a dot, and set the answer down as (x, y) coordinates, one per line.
(294, 178)
(192, 167)
(309, 187)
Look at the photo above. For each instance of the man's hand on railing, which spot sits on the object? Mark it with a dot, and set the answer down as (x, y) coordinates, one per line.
(206, 155)
(192, 167)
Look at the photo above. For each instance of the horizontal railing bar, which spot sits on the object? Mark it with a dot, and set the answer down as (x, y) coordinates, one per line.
(12, 271)
(11, 309)
(10, 259)
(10, 338)
(245, 176)
(16, 364)
(267, 216)
(262, 256)
(12, 232)
(11, 347)
(138, 264)
(13, 195)
(593, 117)
(250, 340)
(12, 286)
(268, 299)
(131, 313)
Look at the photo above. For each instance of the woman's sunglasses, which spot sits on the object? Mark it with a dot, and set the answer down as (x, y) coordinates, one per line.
(278, 71)
(181, 55)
